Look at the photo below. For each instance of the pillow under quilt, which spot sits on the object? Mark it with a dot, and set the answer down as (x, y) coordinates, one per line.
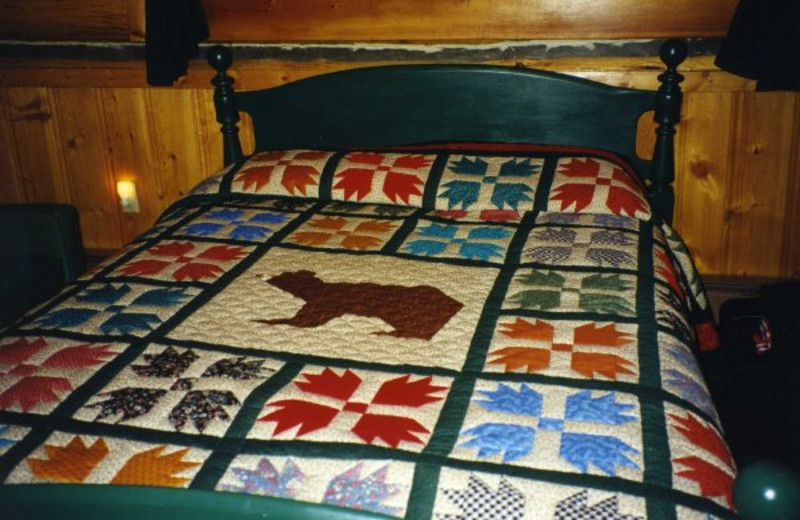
(476, 181)
(497, 181)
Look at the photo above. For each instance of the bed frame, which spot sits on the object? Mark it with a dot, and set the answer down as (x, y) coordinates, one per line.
(390, 106)
(405, 105)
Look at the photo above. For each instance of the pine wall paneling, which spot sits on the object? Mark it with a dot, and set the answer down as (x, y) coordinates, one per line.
(69, 20)
(84, 141)
(10, 183)
(737, 188)
(130, 147)
(790, 263)
(456, 20)
(376, 20)
(737, 185)
(703, 144)
(755, 217)
(35, 139)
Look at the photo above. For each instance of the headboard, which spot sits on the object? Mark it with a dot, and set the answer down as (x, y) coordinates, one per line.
(414, 104)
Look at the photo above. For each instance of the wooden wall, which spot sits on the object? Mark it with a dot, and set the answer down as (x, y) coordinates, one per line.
(376, 20)
(69, 129)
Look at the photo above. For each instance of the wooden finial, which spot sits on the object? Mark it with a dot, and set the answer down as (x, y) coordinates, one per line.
(673, 52)
(220, 58)
(668, 113)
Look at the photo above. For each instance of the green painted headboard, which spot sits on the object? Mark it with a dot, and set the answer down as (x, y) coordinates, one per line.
(414, 104)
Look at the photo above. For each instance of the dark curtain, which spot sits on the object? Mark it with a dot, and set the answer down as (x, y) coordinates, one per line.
(763, 43)
(173, 28)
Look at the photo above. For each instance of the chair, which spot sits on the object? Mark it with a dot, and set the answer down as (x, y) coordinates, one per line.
(40, 253)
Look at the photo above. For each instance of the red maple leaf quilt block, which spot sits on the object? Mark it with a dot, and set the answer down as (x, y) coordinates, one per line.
(179, 390)
(674, 265)
(573, 349)
(701, 462)
(593, 185)
(338, 232)
(398, 410)
(382, 178)
(184, 261)
(38, 373)
(667, 272)
(68, 458)
(291, 173)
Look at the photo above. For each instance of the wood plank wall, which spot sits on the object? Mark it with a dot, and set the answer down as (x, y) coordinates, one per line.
(69, 129)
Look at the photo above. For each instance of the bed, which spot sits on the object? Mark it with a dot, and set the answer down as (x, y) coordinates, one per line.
(446, 292)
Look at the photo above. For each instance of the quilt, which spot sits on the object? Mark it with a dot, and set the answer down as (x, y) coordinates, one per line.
(450, 333)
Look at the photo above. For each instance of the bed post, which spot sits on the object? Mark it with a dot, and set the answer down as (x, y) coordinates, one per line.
(220, 58)
(668, 113)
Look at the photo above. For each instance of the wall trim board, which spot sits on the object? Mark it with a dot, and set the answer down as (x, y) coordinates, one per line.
(367, 51)
(457, 20)
(637, 72)
(96, 20)
(630, 63)
(376, 20)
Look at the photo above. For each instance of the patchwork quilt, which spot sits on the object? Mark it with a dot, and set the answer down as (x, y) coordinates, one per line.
(445, 333)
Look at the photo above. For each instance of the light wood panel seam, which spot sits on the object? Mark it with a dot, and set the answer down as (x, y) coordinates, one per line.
(790, 253)
(110, 173)
(63, 185)
(14, 186)
(734, 161)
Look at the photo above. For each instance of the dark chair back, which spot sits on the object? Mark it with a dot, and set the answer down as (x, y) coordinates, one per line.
(40, 252)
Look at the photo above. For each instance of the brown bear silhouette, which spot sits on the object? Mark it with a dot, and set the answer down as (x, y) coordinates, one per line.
(414, 312)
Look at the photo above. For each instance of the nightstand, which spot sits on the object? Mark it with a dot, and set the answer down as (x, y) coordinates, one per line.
(754, 377)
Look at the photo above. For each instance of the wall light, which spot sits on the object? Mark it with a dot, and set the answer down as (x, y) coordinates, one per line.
(127, 196)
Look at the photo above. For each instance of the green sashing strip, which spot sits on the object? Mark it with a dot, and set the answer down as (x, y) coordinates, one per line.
(655, 442)
(446, 431)
(422, 497)
(542, 195)
(326, 177)
(434, 178)
(215, 465)
(409, 223)
(104, 375)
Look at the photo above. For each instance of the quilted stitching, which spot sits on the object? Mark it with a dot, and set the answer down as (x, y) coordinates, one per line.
(479, 180)
(467, 351)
